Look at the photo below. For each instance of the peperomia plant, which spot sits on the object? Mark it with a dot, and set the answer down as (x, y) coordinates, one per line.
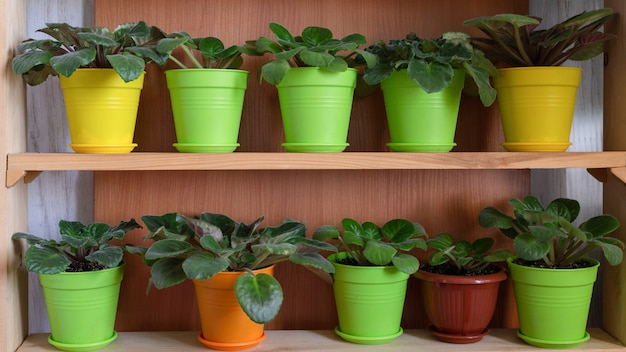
(547, 236)
(126, 49)
(515, 40)
(199, 247)
(212, 51)
(431, 62)
(367, 244)
(463, 257)
(81, 247)
(315, 47)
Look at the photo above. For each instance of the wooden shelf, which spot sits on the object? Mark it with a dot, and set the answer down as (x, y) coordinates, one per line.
(324, 340)
(29, 165)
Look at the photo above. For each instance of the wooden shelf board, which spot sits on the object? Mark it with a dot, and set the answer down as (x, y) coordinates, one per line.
(23, 165)
(324, 340)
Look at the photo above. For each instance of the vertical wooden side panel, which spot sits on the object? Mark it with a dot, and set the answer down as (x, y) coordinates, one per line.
(613, 293)
(440, 200)
(13, 217)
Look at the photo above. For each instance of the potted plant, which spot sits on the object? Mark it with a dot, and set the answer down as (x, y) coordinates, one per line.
(80, 275)
(371, 273)
(422, 80)
(459, 286)
(536, 94)
(552, 275)
(231, 265)
(315, 76)
(101, 73)
(207, 93)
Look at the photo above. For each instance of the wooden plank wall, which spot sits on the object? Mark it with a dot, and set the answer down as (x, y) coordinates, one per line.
(441, 201)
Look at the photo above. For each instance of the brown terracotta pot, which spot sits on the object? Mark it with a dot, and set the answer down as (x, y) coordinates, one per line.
(459, 308)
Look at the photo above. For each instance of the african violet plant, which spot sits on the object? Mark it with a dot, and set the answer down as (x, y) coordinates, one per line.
(212, 51)
(515, 40)
(431, 62)
(546, 237)
(199, 247)
(315, 47)
(81, 247)
(368, 244)
(126, 49)
(461, 257)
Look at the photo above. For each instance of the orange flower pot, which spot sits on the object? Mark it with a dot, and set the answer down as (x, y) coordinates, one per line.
(225, 326)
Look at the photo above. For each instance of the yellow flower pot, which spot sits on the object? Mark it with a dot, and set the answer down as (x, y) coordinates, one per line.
(537, 107)
(101, 110)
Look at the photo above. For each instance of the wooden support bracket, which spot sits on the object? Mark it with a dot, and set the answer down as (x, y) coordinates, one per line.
(598, 174)
(619, 172)
(14, 176)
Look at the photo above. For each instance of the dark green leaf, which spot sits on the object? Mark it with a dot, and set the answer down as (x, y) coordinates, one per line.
(45, 260)
(260, 296)
(107, 255)
(378, 253)
(202, 265)
(167, 272)
(129, 67)
(529, 248)
(406, 263)
(167, 248)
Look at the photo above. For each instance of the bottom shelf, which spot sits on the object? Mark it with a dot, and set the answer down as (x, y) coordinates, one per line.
(325, 340)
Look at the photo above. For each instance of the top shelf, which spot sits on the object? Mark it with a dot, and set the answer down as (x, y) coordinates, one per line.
(29, 165)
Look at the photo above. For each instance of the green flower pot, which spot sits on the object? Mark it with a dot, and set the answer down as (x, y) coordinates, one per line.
(553, 304)
(369, 301)
(316, 105)
(82, 308)
(419, 121)
(207, 106)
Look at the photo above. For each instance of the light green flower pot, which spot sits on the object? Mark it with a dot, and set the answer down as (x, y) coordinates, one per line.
(207, 106)
(419, 121)
(82, 308)
(553, 304)
(369, 301)
(316, 105)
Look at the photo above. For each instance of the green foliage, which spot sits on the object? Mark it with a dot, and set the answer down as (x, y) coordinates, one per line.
(465, 256)
(126, 49)
(368, 244)
(515, 40)
(81, 247)
(315, 47)
(211, 50)
(197, 248)
(431, 62)
(548, 234)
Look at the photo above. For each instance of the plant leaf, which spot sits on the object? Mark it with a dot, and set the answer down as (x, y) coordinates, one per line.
(529, 248)
(378, 253)
(167, 248)
(44, 260)
(67, 64)
(314, 260)
(203, 265)
(128, 66)
(406, 263)
(107, 255)
(167, 272)
(260, 296)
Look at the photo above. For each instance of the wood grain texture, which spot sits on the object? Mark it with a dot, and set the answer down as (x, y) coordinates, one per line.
(13, 211)
(261, 126)
(440, 200)
(613, 299)
(48, 132)
(325, 340)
